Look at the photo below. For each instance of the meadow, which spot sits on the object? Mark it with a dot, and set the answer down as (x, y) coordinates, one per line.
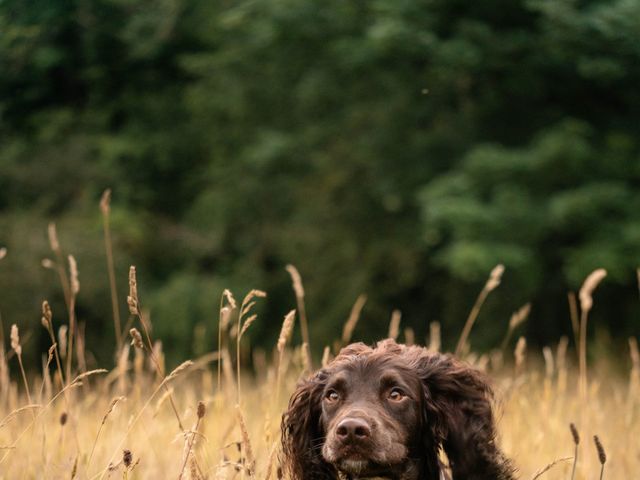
(218, 416)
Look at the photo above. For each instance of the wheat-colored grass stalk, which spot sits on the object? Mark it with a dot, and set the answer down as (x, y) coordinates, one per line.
(62, 340)
(175, 373)
(190, 437)
(15, 344)
(517, 318)
(75, 383)
(134, 308)
(224, 318)
(492, 283)
(549, 466)
(435, 341)
(352, 321)
(576, 442)
(520, 353)
(298, 289)
(47, 322)
(112, 406)
(306, 367)
(602, 456)
(74, 288)
(285, 333)
(574, 316)
(249, 460)
(243, 324)
(394, 324)
(561, 364)
(549, 364)
(59, 264)
(13, 414)
(269, 468)
(586, 302)
(105, 208)
(326, 356)
(46, 378)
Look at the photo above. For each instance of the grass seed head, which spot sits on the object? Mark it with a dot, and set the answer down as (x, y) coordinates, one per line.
(15, 340)
(105, 202)
(574, 433)
(127, 458)
(53, 237)
(602, 456)
(494, 277)
(230, 300)
(47, 315)
(136, 338)
(73, 270)
(589, 285)
(132, 298)
(202, 409)
(62, 339)
(285, 331)
(296, 280)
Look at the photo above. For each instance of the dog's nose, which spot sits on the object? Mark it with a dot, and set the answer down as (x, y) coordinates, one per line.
(353, 429)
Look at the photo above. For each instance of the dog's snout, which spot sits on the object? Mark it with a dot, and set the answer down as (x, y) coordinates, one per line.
(351, 429)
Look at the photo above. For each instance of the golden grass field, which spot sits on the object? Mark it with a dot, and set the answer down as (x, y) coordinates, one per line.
(135, 420)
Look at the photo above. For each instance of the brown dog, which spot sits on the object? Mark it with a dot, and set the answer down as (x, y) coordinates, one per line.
(385, 412)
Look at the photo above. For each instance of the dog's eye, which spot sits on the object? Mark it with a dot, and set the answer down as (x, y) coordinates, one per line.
(332, 396)
(396, 394)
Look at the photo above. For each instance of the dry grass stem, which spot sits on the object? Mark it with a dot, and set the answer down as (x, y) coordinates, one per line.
(190, 437)
(245, 308)
(602, 456)
(105, 208)
(573, 315)
(492, 283)
(132, 298)
(247, 451)
(112, 406)
(517, 318)
(548, 467)
(520, 355)
(586, 302)
(59, 265)
(394, 324)
(352, 321)
(15, 345)
(298, 289)
(326, 356)
(435, 341)
(74, 288)
(136, 338)
(576, 442)
(285, 333)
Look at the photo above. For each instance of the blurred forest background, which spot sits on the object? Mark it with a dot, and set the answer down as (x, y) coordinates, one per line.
(399, 149)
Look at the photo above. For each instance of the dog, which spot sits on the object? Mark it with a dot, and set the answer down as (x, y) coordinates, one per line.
(386, 413)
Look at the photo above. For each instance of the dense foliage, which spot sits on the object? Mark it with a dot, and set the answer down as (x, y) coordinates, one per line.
(396, 148)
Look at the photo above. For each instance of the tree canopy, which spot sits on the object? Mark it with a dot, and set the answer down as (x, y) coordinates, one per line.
(399, 149)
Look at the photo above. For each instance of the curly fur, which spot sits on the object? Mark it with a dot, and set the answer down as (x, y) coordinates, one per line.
(456, 416)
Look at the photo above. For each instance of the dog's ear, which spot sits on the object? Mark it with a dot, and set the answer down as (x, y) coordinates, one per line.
(302, 433)
(459, 418)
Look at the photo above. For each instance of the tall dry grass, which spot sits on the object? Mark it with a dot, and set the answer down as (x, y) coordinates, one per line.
(212, 418)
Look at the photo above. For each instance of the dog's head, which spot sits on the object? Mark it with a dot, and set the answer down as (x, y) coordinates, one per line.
(385, 412)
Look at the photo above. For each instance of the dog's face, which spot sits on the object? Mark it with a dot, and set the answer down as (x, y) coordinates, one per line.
(371, 415)
(387, 412)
